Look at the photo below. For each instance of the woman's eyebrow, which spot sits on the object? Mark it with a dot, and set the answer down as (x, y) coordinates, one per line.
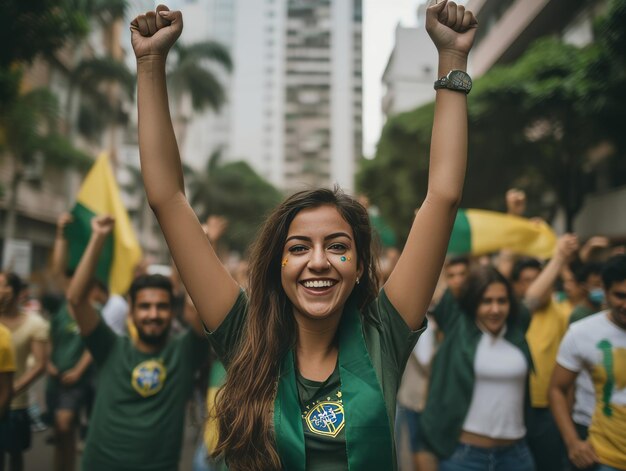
(328, 237)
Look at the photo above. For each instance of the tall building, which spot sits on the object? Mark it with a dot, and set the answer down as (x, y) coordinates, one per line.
(294, 98)
(297, 90)
(411, 69)
(508, 27)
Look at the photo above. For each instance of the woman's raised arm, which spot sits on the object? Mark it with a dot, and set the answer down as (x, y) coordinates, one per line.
(209, 284)
(411, 284)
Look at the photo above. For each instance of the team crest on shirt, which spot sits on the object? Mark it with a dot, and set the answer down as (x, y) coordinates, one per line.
(326, 418)
(72, 327)
(148, 377)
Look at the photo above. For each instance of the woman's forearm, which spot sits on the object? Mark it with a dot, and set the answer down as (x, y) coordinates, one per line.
(160, 160)
(448, 152)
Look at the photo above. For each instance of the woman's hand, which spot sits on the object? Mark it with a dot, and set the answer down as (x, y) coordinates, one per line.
(451, 27)
(154, 33)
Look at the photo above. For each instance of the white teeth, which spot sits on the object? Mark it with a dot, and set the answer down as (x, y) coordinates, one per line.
(318, 284)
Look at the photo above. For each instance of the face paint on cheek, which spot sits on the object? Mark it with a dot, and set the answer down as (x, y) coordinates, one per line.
(284, 262)
(345, 259)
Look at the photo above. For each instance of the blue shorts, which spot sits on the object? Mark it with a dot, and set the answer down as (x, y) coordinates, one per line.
(409, 420)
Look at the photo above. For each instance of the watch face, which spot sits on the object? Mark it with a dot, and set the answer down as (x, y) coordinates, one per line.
(460, 80)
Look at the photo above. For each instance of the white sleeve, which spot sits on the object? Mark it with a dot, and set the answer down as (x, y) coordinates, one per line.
(569, 355)
(40, 328)
(114, 314)
(424, 350)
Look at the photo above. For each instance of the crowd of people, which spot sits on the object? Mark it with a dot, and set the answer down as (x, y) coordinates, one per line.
(309, 363)
(521, 353)
(517, 353)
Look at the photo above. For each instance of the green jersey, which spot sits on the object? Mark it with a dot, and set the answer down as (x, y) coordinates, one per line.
(67, 344)
(138, 417)
(389, 342)
(323, 424)
(580, 312)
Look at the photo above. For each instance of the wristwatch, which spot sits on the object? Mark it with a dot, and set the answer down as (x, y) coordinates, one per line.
(456, 80)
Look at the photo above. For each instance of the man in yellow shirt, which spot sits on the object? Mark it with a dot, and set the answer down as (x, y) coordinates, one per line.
(547, 327)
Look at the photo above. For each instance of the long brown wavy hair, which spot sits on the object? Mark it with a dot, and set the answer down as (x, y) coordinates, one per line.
(245, 404)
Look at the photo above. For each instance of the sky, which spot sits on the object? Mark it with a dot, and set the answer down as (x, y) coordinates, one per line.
(380, 18)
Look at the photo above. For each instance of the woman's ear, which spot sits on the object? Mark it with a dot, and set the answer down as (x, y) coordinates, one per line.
(359, 271)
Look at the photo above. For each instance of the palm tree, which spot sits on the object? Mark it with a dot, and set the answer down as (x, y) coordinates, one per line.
(29, 139)
(94, 77)
(190, 73)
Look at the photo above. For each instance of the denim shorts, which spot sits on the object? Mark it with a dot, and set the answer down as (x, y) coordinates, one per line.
(515, 457)
(408, 421)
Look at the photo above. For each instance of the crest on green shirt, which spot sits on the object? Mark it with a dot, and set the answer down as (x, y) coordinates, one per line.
(326, 418)
(149, 377)
(72, 327)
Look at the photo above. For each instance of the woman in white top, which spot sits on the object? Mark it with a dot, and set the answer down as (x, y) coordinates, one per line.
(474, 417)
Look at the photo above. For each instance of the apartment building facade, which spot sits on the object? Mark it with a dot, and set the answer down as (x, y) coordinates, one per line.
(297, 90)
(411, 69)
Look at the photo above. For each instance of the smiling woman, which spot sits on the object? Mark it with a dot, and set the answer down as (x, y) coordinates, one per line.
(480, 372)
(313, 351)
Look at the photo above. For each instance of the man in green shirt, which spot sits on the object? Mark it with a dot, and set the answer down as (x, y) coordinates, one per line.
(67, 389)
(143, 384)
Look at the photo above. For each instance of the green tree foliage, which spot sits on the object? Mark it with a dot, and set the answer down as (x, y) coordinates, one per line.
(541, 105)
(402, 161)
(90, 78)
(32, 28)
(236, 191)
(29, 28)
(97, 109)
(532, 124)
(190, 72)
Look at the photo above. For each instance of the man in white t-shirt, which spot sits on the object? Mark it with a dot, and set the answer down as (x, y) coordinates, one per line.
(597, 344)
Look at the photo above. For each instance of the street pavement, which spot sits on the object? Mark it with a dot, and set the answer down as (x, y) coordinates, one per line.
(39, 457)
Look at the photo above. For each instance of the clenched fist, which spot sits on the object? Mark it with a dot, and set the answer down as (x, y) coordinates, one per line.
(154, 33)
(451, 27)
